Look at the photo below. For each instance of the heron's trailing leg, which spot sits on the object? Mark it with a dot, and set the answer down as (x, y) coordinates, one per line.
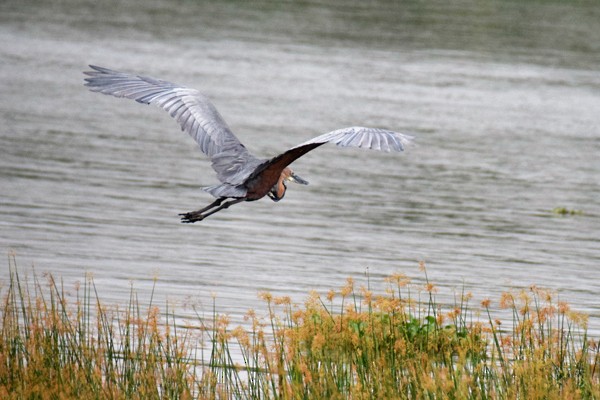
(195, 216)
(215, 203)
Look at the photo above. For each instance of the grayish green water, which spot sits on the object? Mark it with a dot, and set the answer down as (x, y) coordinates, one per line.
(503, 98)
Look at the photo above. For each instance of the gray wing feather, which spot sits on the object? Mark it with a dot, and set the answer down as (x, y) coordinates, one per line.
(192, 110)
(370, 138)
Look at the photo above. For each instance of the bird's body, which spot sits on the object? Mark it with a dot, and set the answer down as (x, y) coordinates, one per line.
(243, 176)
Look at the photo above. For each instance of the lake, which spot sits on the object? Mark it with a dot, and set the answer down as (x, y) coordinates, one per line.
(503, 99)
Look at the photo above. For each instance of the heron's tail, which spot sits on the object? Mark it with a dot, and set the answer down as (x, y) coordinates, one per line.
(225, 190)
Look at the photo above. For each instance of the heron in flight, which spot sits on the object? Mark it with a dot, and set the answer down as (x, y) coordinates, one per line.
(243, 176)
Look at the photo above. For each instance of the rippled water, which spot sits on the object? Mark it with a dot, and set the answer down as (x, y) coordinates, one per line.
(503, 98)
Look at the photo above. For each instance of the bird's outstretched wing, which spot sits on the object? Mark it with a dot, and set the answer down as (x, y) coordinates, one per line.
(191, 109)
(356, 136)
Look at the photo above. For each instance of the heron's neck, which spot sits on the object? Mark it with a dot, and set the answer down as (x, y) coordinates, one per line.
(281, 187)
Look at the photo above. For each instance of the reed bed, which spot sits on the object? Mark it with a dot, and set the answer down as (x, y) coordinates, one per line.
(347, 344)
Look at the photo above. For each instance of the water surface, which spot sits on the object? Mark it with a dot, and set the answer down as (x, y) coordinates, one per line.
(503, 98)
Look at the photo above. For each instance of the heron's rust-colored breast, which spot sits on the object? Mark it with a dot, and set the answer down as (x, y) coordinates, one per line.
(259, 185)
(268, 174)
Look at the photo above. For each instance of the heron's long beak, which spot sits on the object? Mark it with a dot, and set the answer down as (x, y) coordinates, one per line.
(296, 179)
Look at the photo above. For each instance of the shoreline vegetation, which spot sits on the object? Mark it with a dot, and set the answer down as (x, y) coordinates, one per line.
(347, 344)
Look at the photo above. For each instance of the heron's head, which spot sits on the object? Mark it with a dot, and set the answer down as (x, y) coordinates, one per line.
(278, 190)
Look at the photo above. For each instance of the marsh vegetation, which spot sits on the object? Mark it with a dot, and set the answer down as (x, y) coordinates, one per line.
(348, 343)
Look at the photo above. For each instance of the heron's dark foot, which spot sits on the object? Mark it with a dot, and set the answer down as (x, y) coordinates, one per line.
(191, 217)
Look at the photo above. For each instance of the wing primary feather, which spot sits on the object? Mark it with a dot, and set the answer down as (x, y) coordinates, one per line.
(376, 142)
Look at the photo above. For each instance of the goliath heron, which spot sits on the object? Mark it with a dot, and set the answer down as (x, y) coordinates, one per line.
(243, 176)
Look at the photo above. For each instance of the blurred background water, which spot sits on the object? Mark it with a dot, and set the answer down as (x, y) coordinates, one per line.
(502, 96)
